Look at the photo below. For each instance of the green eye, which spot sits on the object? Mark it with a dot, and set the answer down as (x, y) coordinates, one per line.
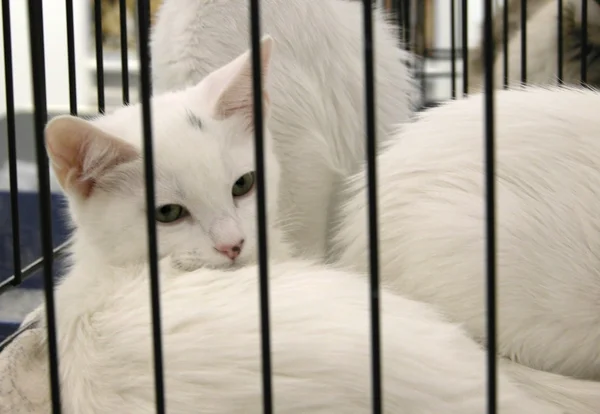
(170, 213)
(243, 185)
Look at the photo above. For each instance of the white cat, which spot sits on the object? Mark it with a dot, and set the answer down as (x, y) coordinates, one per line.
(432, 222)
(204, 172)
(320, 329)
(318, 86)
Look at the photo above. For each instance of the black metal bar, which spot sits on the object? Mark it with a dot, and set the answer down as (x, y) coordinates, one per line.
(407, 24)
(99, 55)
(33, 267)
(420, 16)
(584, 41)
(38, 73)
(372, 199)
(560, 43)
(263, 255)
(399, 10)
(12, 145)
(453, 47)
(71, 58)
(124, 51)
(523, 41)
(505, 44)
(490, 205)
(465, 44)
(146, 93)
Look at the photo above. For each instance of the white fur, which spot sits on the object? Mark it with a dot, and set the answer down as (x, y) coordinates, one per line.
(432, 222)
(317, 88)
(320, 329)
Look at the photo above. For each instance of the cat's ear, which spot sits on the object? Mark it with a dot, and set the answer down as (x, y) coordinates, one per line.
(230, 87)
(81, 153)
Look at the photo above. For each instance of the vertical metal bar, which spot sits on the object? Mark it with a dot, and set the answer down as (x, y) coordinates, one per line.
(560, 43)
(584, 41)
(505, 44)
(143, 28)
(372, 199)
(523, 42)
(399, 9)
(453, 47)
(99, 54)
(12, 145)
(124, 51)
(71, 58)
(407, 24)
(490, 205)
(465, 44)
(38, 73)
(261, 212)
(421, 20)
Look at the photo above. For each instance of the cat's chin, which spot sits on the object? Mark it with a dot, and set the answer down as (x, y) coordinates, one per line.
(188, 263)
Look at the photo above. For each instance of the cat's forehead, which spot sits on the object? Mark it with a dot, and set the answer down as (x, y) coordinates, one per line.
(179, 125)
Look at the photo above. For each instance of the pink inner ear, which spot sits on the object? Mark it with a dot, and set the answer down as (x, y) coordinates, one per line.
(81, 153)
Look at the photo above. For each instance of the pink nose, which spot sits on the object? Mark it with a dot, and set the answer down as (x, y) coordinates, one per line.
(230, 250)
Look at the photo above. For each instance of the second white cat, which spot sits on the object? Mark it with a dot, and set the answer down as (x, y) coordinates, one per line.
(432, 222)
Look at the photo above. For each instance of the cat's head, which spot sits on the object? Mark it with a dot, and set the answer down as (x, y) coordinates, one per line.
(205, 190)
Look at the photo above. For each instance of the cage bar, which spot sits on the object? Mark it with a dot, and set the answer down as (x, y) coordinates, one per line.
(71, 58)
(560, 43)
(99, 55)
(523, 42)
(490, 206)
(371, 146)
(143, 9)
(584, 41)
(124, 51)
(453, 49)
(504, 44)
(465, 44)
(261, 213)
(12, 145)
(38, 74)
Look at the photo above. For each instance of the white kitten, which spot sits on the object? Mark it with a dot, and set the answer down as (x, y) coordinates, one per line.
(432, 222)
(317, 86)
(204, 182)
(211, 340)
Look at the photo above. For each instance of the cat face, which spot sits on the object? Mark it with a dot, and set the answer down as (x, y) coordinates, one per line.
(205, 190)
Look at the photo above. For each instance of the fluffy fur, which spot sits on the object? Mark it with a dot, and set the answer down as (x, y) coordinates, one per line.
(432, 222)
(542, 40)
(211, 340)
(317, 87)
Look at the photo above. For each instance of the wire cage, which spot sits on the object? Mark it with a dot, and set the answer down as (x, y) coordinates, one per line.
(103, 47)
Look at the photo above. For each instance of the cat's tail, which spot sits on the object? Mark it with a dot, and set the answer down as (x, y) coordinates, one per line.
(575, 396)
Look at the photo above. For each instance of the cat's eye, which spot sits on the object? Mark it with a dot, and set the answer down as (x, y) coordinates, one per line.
(170, 213)
(243, 185)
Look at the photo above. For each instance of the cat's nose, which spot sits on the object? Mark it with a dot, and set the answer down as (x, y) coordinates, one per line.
(230, 250)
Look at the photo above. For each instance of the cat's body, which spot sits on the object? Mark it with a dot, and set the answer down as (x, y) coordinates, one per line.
(317, 84)
(432, 222)
(542, 45)
(320, 341)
